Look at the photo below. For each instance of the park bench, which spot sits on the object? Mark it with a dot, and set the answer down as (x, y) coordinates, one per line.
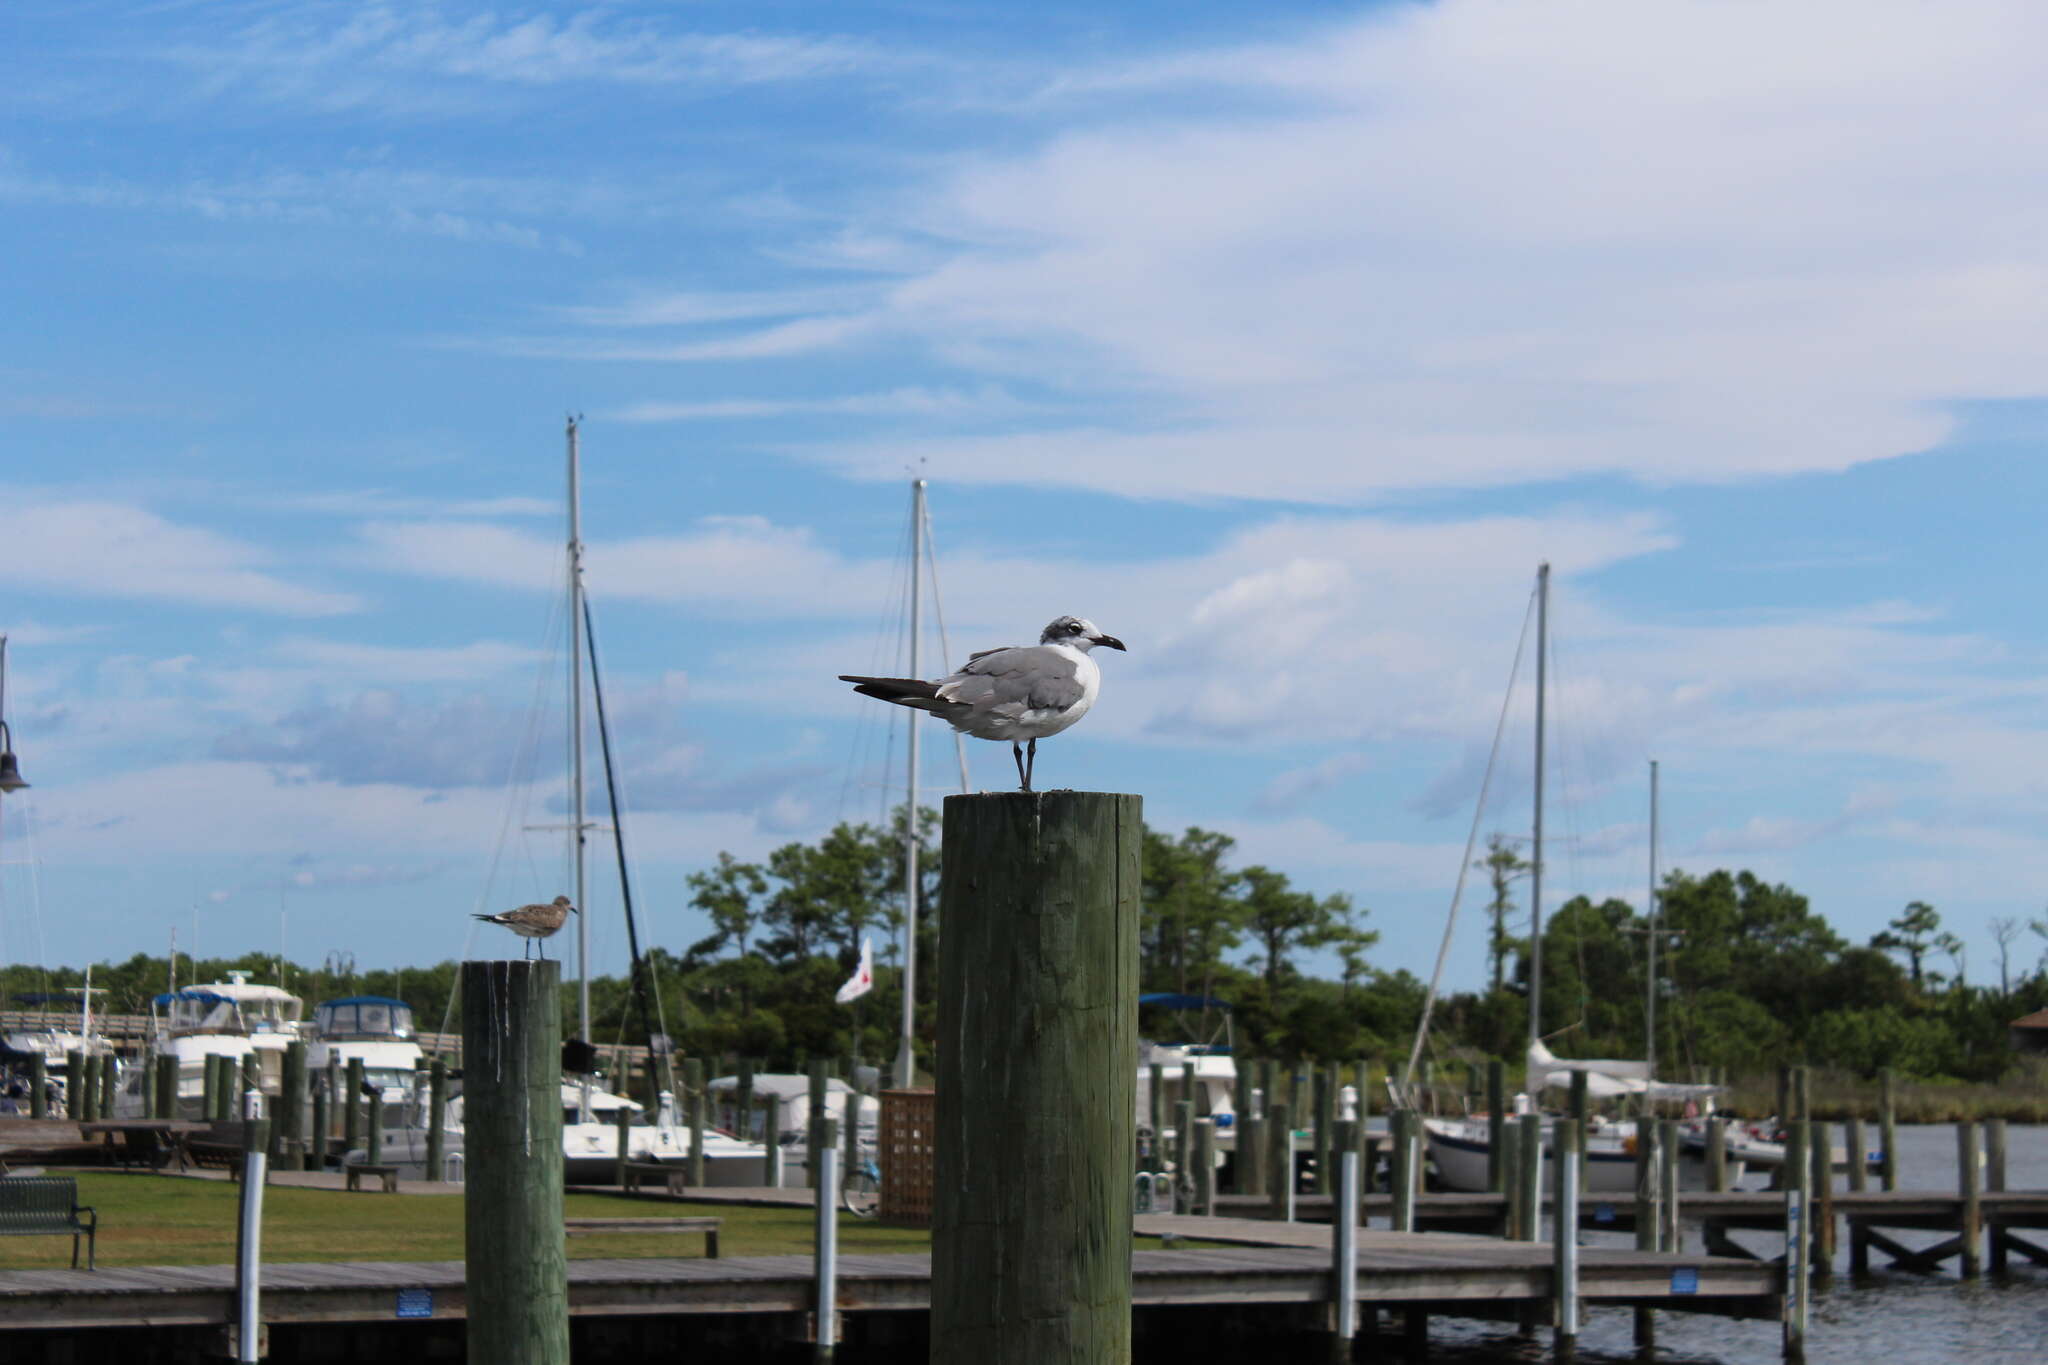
(48, 1205)
(670, 1177)
(386, 1174)
(586, 1227)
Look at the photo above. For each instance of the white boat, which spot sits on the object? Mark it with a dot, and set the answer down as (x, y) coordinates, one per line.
(373, 1029)
(589, 1145)
(233, 1018)
(54, 1042)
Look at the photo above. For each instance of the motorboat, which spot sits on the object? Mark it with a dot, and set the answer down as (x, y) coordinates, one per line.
(234, 1018)
(373, 1029)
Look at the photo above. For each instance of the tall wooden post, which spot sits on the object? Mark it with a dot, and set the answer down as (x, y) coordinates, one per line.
(1649, 1222)
(1530, 1176)
(693, 1082)
(1155, 1111)
(1821, 1196)
(1509, 1147)
(1249, 1161)
(74, 1085)
(1798, 1175)
(38, 1087)
(86, 1080)
(1183, 1155)
(621, 1118)
(1280, 1160)
(1205, 1168)
(1970, 1235)
(517, 1271)
(1496, 1125)
(110, 1081)
(437, 1120)
(1994, 1183)
(1326, 1126)
(1038, 1007)
(289, 1122)
(224, 1087)
(1402, 1125)
(1888, 1128)
(352, 1108)
(1717, 1154)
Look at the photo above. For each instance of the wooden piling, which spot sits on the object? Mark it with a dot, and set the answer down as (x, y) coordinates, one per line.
(1854, 1139)
(352, 1109)
(86, 1082)
(1994, 1183)
(110, 1081)
(1249, 1163)
(1183, 1155)
(1280, 1160)
(1649, 1224)
(1717, 1154)
(1529, 1152)
(289, 1121)
(225, 1090)
(1888, 1128)
(1668, 1233)
(622, 1118)
(437, 1120)
(1205, 1168)
(1401, 1168)
(517, 1273)
(323, 1125)
(1326, 1125)
(166, 1086)
(1970, 1235)
(693, 1085)
(1038, 987)
(1509, 1147)
(1496, 1124)
(1822, 1156)
(771, 1138)
(38, 1087)
(74, 1089)
(1798, 1171)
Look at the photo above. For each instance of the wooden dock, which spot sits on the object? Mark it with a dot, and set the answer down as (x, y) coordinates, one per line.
(1432, 1272)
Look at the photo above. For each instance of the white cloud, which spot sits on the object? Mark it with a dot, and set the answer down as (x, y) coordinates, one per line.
(115, 550)
(1481, 242)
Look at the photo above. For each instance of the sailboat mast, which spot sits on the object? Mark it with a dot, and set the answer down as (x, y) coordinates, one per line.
(1536, 830)
(1650, 966)
(576, 815)
(906, 1060)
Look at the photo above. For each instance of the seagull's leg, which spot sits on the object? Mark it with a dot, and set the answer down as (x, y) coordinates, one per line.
(1031, 764)
(1023, 778)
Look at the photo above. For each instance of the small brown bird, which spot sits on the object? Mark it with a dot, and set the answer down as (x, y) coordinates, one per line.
(535, 921)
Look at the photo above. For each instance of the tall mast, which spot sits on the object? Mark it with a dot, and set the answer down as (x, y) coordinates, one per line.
(1650, 967)
(576, 815)
(906, 1060)
(1536, 832)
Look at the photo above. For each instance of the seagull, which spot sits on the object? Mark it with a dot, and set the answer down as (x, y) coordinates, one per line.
(1021, 694)
(535, 921)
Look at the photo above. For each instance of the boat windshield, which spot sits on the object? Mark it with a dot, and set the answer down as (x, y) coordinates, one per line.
(364, 1018)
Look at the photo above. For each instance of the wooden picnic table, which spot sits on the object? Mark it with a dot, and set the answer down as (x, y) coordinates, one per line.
(154, 1143)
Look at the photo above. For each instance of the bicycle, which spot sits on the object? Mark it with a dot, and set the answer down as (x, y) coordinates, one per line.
(862, 1195)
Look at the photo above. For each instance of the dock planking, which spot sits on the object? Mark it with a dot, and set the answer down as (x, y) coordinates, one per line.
(1395, 1269)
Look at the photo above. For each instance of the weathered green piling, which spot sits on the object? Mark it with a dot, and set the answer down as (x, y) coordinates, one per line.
(1994, 1183)
(1970, 1236)
(1530, 1154)
(38, 1087)
(1038, 987)
(1280, 1160)
(437, 1120)
(316, 1150)
(1155, 1108)
(516, 1271)
(1888, 1128)
(693, 1082)
(1496, 1124)
(622, 1117)
(289, 1122)
(1205, 1167)
(1183, 1155)
(1401, 1126)
(74, 1085)
(1326, 1126)
(1248, 1162)
(352, 1108)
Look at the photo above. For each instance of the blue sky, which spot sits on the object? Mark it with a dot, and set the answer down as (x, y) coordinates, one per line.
(1285, 342)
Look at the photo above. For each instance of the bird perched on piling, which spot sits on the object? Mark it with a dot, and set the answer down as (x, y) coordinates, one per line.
(1021, 694)
(535, 921)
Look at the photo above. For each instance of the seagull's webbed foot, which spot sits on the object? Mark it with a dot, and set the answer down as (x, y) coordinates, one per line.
(1030, 764)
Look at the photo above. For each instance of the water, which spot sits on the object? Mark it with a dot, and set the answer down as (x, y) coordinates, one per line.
(1887, 1318)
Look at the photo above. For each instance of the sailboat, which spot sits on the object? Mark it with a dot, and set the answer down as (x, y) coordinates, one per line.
(1461, 1148)
(589, 1112)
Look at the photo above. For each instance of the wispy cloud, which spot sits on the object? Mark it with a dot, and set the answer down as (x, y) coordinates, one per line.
(987, 401)
(124, 552)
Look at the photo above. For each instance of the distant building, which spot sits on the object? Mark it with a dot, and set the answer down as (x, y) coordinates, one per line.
(2029, 1033)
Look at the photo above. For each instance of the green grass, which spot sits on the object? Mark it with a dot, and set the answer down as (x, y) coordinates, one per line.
(166, 1220)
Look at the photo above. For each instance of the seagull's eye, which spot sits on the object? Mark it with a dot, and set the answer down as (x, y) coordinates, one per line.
(1074, 629)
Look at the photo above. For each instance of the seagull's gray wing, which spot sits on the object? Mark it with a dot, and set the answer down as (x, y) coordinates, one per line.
(1009, 682)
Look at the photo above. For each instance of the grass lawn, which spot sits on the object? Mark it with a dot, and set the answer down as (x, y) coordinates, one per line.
(167, 1220)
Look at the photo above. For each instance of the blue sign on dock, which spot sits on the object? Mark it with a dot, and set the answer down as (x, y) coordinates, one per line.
(1685, 1280)
(415, 1303)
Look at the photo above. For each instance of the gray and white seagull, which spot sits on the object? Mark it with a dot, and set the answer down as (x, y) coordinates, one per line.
(1021, 694)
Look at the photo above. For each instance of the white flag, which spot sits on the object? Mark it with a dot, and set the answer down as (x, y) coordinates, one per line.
(863, 979)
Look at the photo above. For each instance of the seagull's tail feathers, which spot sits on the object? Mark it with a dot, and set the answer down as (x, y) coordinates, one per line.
(912, 692)
(490, 919)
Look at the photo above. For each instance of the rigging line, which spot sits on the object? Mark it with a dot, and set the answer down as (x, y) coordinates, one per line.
(945, 652)
(527, 750)
(859, 741)
(611, 786)
(1443, 951)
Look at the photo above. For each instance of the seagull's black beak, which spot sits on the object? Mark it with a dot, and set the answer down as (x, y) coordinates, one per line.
(1109, 640)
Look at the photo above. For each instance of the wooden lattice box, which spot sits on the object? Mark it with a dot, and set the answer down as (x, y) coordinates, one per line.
(907, 1156)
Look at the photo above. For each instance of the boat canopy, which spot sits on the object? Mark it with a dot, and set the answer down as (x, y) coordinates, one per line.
(1169, 1000)
(188, 994)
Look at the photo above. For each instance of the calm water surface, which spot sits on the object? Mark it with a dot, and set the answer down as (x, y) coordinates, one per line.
(1888, 1318)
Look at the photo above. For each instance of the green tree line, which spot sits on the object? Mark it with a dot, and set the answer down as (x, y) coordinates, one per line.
(1750, 975)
